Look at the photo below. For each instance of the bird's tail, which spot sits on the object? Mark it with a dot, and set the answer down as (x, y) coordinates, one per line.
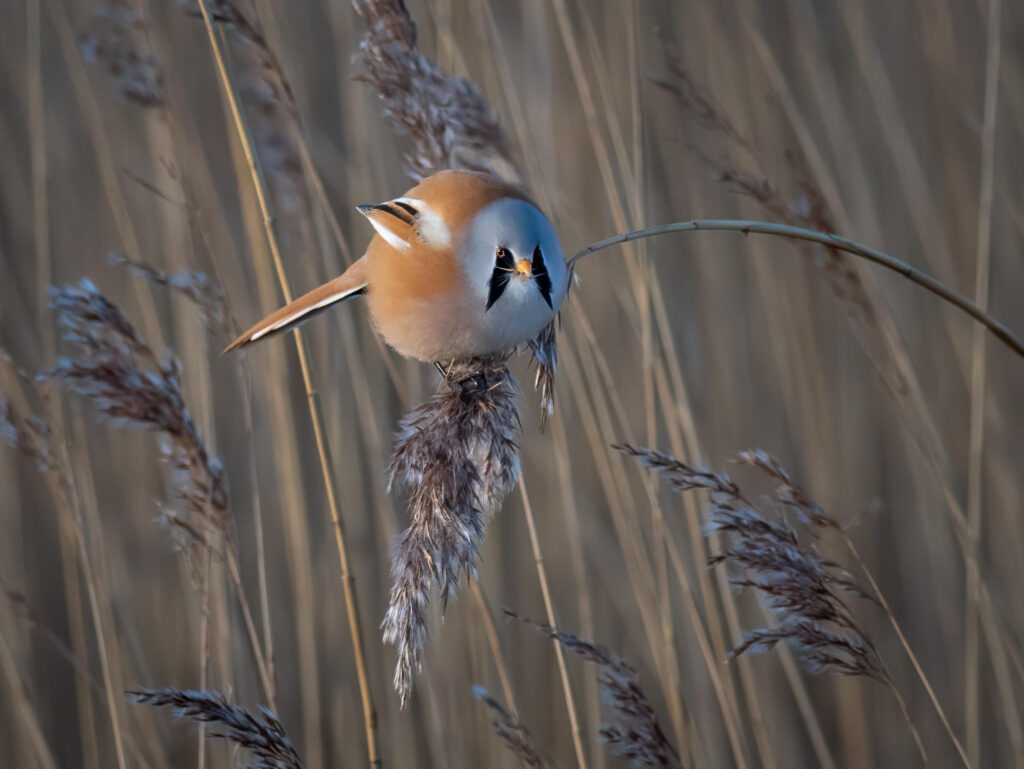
(351, 283)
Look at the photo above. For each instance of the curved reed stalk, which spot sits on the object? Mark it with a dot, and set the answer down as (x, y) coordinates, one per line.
(1001, 332)
(348, 579)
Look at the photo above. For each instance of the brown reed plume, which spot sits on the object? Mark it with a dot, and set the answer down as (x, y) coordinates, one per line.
(767, 555)
(115, 43)
(544, 349)
(632, 729)
(46, 445)
(131, 386)
(445, 117)
(262, 735)
(28, 435)
(510, 730)
(272, 118)
(198, 287)
(457, 457)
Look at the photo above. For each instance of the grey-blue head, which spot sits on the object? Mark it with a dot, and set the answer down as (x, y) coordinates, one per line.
(516, 273)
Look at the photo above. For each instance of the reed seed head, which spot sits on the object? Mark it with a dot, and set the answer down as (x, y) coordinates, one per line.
(510, 730)
(457, 458)
(631, 727)
(262, 735)
(767, 555)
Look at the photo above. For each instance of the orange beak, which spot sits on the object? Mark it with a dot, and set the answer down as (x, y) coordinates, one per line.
(524, 269)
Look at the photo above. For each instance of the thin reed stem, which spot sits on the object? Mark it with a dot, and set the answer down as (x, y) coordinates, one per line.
(105, 163)
(492, 640)
(22, 705)
(910, 723)
(1001, 332)
(74, 510)
(549, 609)
(347, 578)
(257, 514)
(204, 646)
(250, 627)
(65, 492)
(877, 591)
(978, 383)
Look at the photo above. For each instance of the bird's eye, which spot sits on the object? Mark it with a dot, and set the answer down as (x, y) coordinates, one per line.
(504, 265)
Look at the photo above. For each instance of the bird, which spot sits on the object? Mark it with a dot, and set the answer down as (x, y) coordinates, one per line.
(461, 266)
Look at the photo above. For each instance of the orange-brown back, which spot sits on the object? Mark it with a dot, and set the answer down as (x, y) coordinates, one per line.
(400, 281)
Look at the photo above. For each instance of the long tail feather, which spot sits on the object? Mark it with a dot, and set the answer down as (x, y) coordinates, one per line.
(351, 283)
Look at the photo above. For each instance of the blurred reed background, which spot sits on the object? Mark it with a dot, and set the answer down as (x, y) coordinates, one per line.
(896, 124)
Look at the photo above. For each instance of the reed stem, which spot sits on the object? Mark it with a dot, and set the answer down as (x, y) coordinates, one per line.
(1001, 332)
(549, 609)
(316, 416)
(910, 653)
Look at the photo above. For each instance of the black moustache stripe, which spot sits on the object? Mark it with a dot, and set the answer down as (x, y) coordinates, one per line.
(540, 274)
(399, 211)
(503, 269)
(406, 207)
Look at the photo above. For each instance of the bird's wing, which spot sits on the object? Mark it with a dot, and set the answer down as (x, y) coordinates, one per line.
(395, 221)
(351, 283)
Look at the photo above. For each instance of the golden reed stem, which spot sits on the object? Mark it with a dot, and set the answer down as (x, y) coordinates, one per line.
(315, 414)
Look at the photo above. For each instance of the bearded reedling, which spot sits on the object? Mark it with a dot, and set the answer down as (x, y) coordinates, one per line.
(462, 266)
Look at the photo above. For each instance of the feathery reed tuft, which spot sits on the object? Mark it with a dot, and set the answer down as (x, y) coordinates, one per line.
(545, 356)
(446, 117)
(193, 285)
(510, 730)
(795, 582)
(136, 74)
(129, 385)
(632, 728)
(458, 458)
(262, 735)
(30, 436)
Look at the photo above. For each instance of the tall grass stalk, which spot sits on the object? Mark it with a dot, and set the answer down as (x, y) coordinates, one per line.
(24, 708)
(978, 381)
(1001, 332)
(56, 467)
(316, 416)
(549, 609)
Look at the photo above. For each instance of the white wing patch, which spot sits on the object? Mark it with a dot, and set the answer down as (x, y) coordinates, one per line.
(303, 312)
(388, 235)
(430, 225)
